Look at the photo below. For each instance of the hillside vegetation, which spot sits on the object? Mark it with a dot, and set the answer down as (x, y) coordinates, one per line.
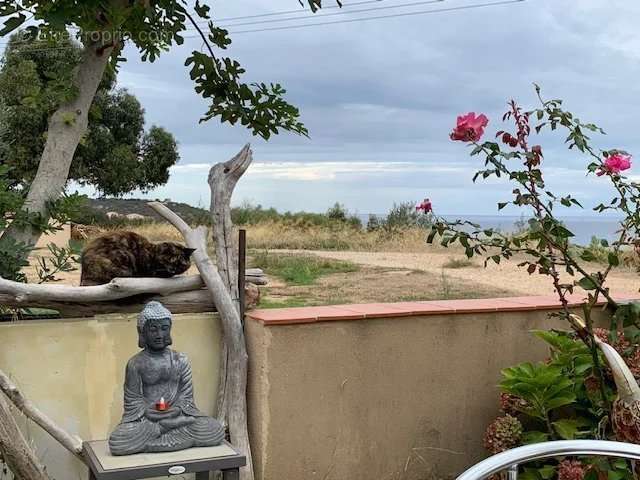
(401, 229)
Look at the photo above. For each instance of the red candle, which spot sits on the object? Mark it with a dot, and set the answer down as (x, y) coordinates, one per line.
(161, 405)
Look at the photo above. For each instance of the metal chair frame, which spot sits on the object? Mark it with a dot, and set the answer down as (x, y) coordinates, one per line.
(510, 459)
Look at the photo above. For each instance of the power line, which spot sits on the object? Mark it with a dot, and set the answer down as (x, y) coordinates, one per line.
(363, 19)
(288, 12)
(379, 17)
(386, 7)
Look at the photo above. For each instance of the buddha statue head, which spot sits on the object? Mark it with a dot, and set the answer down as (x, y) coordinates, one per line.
(154, 327)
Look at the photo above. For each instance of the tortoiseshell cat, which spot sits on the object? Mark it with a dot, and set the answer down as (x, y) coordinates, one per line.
(127, 254)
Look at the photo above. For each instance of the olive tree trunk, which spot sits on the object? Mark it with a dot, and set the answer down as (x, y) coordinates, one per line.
(66, 127)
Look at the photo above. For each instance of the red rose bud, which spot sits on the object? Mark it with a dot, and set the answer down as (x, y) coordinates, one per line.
(506, 138)
(513, 142)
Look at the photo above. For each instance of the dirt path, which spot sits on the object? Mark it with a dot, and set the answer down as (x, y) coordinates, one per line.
(505, 276)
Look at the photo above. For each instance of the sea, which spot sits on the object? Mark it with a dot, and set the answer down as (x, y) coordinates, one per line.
(584, 228)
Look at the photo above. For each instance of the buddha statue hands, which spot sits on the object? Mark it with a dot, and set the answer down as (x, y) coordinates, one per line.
(160, 414)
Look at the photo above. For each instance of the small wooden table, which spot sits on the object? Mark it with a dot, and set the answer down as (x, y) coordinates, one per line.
(201, 461)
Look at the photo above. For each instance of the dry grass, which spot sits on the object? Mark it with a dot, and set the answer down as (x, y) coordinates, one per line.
(159, 232)
(291, 235)
(373, 285)
(462, 262)
(281, 235)
(278, 235)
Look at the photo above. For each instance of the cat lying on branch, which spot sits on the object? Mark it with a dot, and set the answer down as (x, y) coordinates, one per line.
(126, 254)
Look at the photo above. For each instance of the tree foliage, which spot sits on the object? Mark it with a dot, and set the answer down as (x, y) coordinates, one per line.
(116, 155)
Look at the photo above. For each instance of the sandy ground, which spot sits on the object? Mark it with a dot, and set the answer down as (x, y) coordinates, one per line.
(506, 276)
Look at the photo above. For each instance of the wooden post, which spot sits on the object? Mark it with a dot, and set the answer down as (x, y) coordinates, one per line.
(242, 264)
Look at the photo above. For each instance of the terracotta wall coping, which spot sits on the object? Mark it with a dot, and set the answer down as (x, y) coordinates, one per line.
(288, 316)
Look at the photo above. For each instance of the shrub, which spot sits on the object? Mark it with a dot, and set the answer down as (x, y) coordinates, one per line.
(404, 215)
(569, 396)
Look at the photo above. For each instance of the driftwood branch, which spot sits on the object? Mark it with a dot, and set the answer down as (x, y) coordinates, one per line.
(222, 180)
(118, 288)
(71, 443)
(193, 301)
(233, 334)
(16, 452)
(180, 294)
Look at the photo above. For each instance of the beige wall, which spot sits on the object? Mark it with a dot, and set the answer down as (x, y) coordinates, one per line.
(380, 399)
(74, 369)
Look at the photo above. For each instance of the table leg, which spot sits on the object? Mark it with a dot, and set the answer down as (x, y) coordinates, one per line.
(202, 476)
(233, 474)
(91, 475)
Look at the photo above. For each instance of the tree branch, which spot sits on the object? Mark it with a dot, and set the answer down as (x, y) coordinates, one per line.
(118, 288)
(15, 450)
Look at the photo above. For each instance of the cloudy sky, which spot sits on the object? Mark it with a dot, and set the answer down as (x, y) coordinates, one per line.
(379, 98)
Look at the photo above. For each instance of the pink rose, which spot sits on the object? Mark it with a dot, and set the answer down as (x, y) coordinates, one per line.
(425, 206)
(615, 163)
(469, 128)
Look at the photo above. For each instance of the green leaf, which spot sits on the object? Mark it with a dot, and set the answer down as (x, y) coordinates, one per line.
(569, 429)
(587, 283)
(201, 10)
(501, 205)
(534, 437)
(613, 259)
(619, 463)
(613, 475)
(591, 475)
(560, 401)
(561, 231)
(547, 472)
(12, 23)
(529, 474)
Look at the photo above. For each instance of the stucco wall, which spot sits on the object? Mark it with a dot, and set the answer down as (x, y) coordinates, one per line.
(73, 371)
(396, 398)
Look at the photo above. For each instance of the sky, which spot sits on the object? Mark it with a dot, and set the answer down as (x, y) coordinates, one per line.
(380, 97)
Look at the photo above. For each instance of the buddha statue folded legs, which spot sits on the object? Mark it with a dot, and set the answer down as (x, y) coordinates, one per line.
(159, 410)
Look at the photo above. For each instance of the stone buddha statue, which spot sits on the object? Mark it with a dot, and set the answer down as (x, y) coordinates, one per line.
(159, 411)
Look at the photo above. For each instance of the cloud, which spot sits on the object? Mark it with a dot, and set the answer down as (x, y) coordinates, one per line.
(328, 171)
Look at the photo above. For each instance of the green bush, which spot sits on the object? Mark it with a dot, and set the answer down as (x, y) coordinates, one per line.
(401, 216)
(336, 217)
(559, 399)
